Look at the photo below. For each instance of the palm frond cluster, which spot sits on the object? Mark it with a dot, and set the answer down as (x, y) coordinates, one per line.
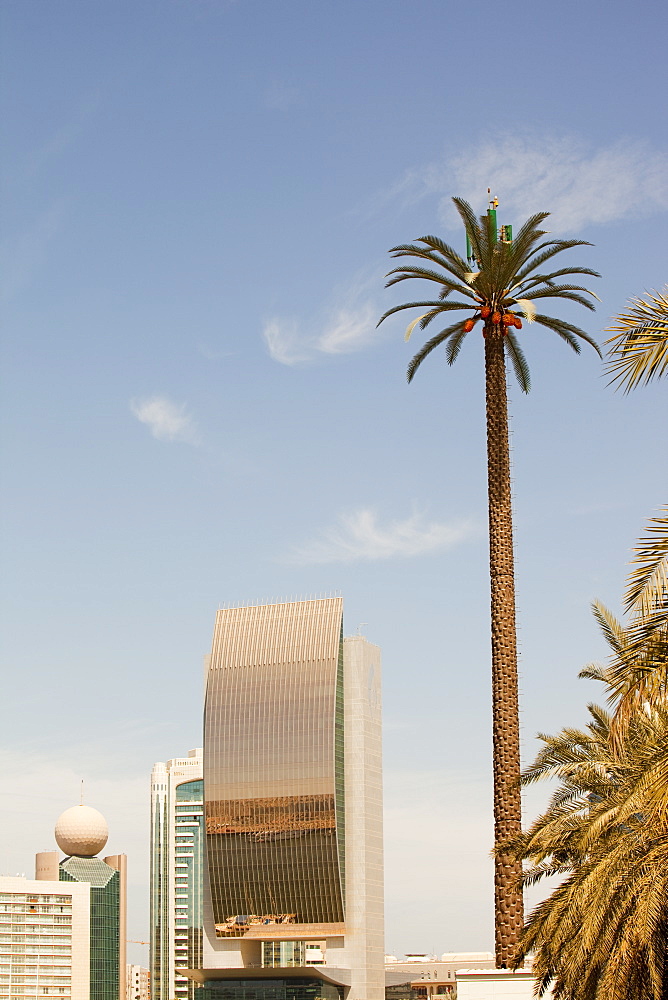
(638, 352)
(603, 933)
(512, 277)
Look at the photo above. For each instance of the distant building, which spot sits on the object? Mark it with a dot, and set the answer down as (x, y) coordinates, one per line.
(293, 892)
(81, 833)
(137, 983)
(480, 984)
(177, 858)
(424, 977)
(44, 939)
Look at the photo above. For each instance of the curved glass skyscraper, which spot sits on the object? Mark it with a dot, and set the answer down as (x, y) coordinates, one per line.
(293, 903)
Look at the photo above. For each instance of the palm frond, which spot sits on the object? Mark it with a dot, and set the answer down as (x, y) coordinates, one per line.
(518, 361)
(473, 229)
(560, 292)
(406, 271)
(567, 332)
(407, 305)
(638, 353)
(440, 338)
(649, 578)
(450, 263)
(454, 346)
(563, 272)
(445, 250)
(545, 251)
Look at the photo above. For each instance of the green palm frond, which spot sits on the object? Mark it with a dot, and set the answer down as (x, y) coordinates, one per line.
(436, 251)
(545, 252)
(563, 272)
(440, 338)
(454, 346)
(454, 267)
(561, 292)
(472, 227)
(408, 305)
(518, 362)
(638, 351)
(567, 332)
(508, 274)
(405, 271)
(445, 250)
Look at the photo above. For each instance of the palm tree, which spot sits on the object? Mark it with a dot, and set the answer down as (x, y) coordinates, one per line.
(603, 933)
(640, 660)
(511, 277)
(638, 352)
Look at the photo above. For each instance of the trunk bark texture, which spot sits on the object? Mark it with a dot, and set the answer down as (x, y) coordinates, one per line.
(509, 909)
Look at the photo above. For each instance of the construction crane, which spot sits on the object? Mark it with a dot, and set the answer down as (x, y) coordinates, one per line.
(133, 941)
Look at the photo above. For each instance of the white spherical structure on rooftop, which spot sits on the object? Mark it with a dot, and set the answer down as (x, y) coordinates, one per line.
(81, 831)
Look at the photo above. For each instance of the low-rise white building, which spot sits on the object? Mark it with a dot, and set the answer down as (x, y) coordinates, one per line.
(426, 976)
(137, 983)
(456, 976)
(496, 984)
(44, 939)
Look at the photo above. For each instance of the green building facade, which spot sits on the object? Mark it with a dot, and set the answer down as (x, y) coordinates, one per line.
(105, 892)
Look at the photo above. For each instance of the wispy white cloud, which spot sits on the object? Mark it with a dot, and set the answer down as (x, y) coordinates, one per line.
(349, 330)
(284, 343)
(579, 184)
(349, 325)
(166, 420)
(360, 535)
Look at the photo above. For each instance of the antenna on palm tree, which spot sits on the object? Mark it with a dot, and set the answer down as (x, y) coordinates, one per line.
(491, 215)
(506, 233)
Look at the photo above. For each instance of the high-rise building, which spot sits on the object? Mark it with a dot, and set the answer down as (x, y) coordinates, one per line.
(293, 892)
(177, 857)
(62, 934)
(44, 939)
(81, 833)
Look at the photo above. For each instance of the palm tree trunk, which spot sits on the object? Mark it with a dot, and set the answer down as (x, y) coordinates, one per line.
(509, 910)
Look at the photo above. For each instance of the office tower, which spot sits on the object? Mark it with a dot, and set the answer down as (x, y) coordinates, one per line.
(293, 893)
(81, 833)
(44, 939)
(177, 854)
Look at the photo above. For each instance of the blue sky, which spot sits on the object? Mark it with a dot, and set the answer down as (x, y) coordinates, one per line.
(198, 199)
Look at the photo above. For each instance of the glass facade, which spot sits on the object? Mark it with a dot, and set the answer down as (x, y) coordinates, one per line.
(159, 903)
(177, 860)
(284, 954)
(273, 773)
(104, 922)
(35, 945)
(189, 859)
(299, 988)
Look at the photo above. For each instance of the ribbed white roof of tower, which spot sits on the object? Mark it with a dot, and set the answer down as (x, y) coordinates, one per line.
(81, 832)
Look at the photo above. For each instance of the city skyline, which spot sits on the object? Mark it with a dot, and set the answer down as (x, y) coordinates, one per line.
(199, 198)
